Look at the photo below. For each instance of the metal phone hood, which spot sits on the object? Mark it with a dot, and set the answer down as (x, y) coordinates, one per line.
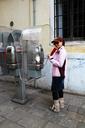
(33, 53)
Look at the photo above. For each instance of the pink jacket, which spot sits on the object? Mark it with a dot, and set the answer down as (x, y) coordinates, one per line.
(57, 60)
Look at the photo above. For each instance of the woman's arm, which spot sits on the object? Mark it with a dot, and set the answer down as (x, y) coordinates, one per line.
(60, 61)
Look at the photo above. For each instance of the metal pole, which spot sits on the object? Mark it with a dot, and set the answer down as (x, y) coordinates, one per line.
(20, 96)
(34, 12)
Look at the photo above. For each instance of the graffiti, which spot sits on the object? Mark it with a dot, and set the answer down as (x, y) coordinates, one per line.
(76, 62)
(79, 65)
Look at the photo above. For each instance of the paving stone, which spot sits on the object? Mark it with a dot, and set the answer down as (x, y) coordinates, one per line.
(5, 109)
(74, 100)
(36, 113)
(2, 119)
(68, 122)
(80, 118)
(81, 125)
(81, 111)
(83, 106)
(55, 117)
(72, 108)
(52, 125)
(3, 99)
(13, 116)
(9, 124)
(72, 115)
(32, 122)
(17, 115)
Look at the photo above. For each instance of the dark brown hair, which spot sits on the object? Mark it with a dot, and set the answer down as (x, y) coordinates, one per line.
(57, 40)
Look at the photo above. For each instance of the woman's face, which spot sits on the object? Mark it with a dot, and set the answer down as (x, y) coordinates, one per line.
(58, 45)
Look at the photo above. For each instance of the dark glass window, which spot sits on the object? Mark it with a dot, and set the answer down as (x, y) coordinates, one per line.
(69, 19)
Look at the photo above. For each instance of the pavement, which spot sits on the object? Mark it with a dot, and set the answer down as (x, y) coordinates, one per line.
(36, 113)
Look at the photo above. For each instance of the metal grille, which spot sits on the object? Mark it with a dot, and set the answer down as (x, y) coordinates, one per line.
(69, 19)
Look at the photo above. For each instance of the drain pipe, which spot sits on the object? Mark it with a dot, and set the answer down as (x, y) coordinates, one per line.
(34, 12)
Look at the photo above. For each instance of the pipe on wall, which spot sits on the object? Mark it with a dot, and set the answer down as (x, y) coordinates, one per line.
(34, 12)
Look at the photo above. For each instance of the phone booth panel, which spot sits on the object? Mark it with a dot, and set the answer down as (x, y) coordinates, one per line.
(33, 53)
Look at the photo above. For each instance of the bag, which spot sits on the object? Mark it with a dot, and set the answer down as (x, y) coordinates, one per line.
(62, 69)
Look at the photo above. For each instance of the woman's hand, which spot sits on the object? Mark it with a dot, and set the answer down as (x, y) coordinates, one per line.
(50, 57)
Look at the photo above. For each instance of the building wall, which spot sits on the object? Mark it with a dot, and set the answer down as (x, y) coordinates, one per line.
(42, 20)
(22, 13)
(74, 81)
(16, 11)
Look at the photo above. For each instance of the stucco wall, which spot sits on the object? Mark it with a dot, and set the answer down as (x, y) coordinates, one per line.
(42, 12)
(42, 20)
(75, 80)
(14, 10)
(21, 12)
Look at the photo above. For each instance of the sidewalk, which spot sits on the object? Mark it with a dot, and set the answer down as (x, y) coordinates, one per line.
(36, 113)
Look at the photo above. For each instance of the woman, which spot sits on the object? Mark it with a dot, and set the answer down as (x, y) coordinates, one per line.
(58, 59)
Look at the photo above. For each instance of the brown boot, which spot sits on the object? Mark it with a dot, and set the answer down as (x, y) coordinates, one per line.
(52, 107)
(61, 101)
(56, 106)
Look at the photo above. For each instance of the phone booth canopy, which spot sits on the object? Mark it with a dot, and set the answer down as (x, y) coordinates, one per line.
(33, 54)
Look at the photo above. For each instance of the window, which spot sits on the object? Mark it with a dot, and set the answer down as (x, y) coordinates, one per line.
(69, 19)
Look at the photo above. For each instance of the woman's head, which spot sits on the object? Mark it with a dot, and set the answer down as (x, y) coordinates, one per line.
(58, 42)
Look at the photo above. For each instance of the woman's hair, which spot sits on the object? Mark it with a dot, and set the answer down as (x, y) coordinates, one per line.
(57, 40)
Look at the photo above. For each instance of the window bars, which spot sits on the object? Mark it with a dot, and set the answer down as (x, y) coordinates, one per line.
(69, 19)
